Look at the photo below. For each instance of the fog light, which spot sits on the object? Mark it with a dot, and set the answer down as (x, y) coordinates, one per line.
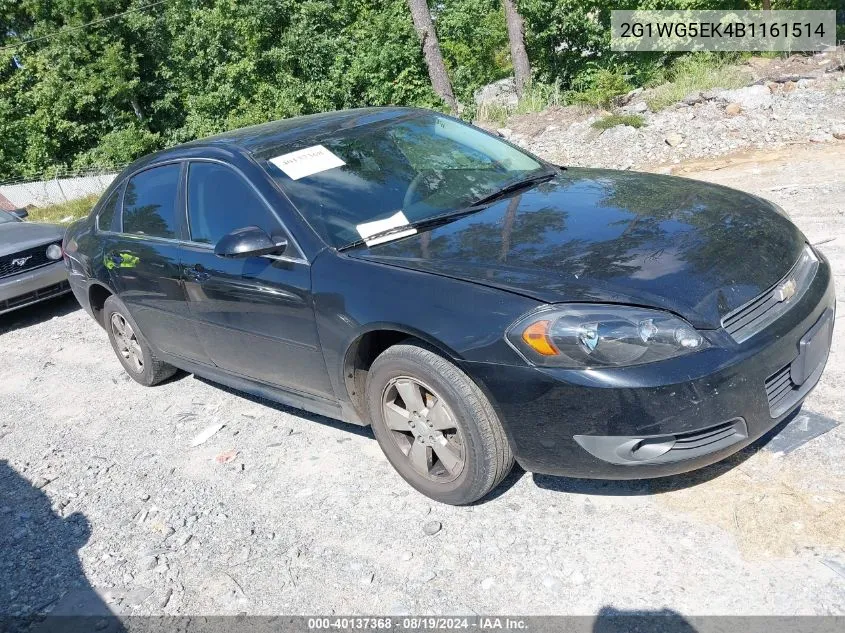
(54, 251)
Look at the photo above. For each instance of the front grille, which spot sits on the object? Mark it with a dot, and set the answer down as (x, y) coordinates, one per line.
(38, 295)
(25, 260)
(762, 311)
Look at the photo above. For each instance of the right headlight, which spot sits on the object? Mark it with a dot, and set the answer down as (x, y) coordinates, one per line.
(601, 335)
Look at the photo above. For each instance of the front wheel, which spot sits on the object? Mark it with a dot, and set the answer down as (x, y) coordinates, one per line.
(435, 425)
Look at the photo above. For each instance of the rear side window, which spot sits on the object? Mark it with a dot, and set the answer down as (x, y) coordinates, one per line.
(220, 201)
(105, 220)
(149, 203)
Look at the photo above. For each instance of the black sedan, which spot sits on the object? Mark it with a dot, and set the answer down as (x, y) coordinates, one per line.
(474, 304)
(30, 262)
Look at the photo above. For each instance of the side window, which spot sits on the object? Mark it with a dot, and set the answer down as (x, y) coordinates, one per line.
(105, 219)
(220, 201)
(149, 203)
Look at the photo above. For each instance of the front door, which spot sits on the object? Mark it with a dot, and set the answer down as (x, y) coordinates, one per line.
(142, 257)
(253, 315)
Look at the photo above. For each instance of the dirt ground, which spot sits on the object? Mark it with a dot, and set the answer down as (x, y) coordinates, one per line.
(104, 504)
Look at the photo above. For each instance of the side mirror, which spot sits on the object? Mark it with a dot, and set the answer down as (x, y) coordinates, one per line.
(249, 241)
(20, 213)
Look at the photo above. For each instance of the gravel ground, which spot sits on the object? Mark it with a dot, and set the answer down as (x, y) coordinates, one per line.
(104, 503)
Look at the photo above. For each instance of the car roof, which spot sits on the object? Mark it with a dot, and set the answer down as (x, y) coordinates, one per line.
(256, 139)
(260, 139)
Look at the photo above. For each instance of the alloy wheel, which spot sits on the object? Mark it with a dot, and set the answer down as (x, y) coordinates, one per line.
(127, 342)
(423, 427)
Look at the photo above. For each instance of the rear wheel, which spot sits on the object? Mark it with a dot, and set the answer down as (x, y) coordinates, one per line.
(435, 425)
(132, 349)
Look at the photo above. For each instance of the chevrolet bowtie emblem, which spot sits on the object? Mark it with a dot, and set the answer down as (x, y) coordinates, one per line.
(785, 291)
(20, 261)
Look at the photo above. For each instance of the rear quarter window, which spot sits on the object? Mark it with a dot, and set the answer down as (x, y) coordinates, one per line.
(149, 202)
(108, 212)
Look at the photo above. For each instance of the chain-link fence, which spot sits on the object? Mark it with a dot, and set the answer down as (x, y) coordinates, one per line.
(61, 187)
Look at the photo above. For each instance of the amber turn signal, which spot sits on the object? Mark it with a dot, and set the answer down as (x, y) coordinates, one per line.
(536, 336)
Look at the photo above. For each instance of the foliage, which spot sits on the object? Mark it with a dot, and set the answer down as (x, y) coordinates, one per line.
(536, 98)
(64, 211)
(100, 90)
(634, 120)
(599, 87)
(696, 72)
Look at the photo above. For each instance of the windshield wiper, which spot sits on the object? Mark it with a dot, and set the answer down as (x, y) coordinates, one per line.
(522, 183)
(426, 223)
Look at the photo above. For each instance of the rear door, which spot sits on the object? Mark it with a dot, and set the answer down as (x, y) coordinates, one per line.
(254, 315)
(142, 256)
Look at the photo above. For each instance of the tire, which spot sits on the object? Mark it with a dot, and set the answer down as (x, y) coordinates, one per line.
(454, 450)
(132, 350)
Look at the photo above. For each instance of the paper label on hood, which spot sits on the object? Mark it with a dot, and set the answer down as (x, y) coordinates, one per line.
(307, 162)
(396, 220)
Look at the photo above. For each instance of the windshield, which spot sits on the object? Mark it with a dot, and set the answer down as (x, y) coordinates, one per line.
(422, 164)
(7, 217)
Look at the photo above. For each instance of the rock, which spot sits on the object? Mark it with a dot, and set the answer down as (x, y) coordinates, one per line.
(732, 109)
(147, 562)
(135, 597)
(692, 98)
(144, 497)
(432, 527)
(165, 598)
(487, 583)
(406, 555)
(625, 99)
(673, 139)
(398, 608)
(577, 578)
(41, 482)
(750, 98)
(839, 134)
(183, 540)
(820, 137)
(427, 575)
(636, 108)
(504, 132)
(367, 579)
(499, 93)
(772, 86)
(789, 86)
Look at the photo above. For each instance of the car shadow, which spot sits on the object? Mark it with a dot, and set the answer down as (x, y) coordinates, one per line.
(363, 431)
(38, 313)
(612, 620)
(640, 487)
(41, 576)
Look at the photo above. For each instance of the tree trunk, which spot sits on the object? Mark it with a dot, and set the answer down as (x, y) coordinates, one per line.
(767, 5)
(431, 49)
(516, 36)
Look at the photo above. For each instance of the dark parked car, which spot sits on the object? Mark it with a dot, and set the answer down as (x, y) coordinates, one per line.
(474, 304)
(31, 269)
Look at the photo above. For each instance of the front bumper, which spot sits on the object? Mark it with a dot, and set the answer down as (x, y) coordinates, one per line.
(713, 403)
(33, 286)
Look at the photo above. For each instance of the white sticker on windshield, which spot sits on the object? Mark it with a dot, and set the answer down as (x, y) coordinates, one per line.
(307, 162)
(395, 221)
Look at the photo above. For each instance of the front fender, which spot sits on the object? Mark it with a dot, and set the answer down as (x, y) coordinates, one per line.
(352, 297)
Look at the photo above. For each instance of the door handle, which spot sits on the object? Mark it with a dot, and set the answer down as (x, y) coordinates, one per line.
(196, 273)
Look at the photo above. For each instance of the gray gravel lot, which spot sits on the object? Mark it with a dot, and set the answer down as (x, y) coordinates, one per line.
(100, 489)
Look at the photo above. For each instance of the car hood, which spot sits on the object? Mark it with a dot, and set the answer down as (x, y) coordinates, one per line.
(696, 249)
(19, 236)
